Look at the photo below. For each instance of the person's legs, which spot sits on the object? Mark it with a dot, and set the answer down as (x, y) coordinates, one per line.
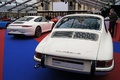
(111, 29)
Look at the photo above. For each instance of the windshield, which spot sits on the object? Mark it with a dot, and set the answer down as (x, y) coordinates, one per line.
(25, 19)
(80, 22)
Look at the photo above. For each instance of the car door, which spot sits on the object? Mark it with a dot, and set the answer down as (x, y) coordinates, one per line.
(46, 23)
(39, 22)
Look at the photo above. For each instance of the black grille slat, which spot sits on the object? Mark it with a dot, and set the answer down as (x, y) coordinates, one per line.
(65, 34)
(85, 35)
(18, 22)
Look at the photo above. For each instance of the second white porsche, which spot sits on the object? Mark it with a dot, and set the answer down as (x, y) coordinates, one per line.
(30, 26)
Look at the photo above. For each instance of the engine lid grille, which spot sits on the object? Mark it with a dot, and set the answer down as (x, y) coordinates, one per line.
(62, 34)
(85, 35)
(75, 35)
(18, 22)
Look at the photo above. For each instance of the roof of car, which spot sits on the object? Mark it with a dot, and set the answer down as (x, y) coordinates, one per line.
(32, 16)
(94, 15)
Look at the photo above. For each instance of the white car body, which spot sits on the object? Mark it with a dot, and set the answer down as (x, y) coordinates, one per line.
(28, 27)
(82, 54)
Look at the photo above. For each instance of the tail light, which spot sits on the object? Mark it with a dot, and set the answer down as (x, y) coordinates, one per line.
(104, 63)
(26, 26)
(38, 55)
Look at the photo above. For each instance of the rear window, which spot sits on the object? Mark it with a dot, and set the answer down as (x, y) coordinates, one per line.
(80, 22)
(25, 19)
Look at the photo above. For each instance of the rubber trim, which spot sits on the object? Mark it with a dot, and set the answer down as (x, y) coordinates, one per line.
(43, 61)
(92, 72)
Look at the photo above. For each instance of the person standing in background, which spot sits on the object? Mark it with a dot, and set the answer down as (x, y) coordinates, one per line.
(113, 18)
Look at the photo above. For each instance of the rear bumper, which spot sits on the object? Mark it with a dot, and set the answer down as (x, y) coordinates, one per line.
(96, 71)
(21, 31)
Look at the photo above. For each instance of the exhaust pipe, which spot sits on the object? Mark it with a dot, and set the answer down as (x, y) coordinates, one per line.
(42, 64)
(37, 66)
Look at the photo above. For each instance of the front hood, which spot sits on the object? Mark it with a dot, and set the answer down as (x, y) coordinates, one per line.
(70, 47)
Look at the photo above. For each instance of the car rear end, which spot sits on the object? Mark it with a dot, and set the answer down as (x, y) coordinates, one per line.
(63, 57)
(74, 65)
(76, 50)
(21, 27)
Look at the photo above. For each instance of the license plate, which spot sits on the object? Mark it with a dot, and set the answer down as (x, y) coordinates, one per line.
(68, 64)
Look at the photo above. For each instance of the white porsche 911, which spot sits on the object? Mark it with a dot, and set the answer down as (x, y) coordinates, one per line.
(30, 26)
(79, 43)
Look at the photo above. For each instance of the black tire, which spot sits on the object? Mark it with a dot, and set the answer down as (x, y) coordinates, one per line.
(17, 36)
(38, 32)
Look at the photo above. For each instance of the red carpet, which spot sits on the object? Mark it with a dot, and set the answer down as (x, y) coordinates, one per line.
(2, 32)
(42, 36)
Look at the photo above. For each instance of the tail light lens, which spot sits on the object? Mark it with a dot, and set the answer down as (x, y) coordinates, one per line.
(38, 55)
(104, 63)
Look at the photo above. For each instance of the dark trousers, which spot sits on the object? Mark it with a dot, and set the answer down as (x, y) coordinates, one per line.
(111, 28)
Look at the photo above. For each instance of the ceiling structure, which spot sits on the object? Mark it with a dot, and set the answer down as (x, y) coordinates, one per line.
(14, 5)
(31, 5)
(23, 4)
(9, 2)
(19, 5)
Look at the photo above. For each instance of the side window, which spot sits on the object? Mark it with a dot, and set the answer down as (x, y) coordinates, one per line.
(38, 20)
(44, 19)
